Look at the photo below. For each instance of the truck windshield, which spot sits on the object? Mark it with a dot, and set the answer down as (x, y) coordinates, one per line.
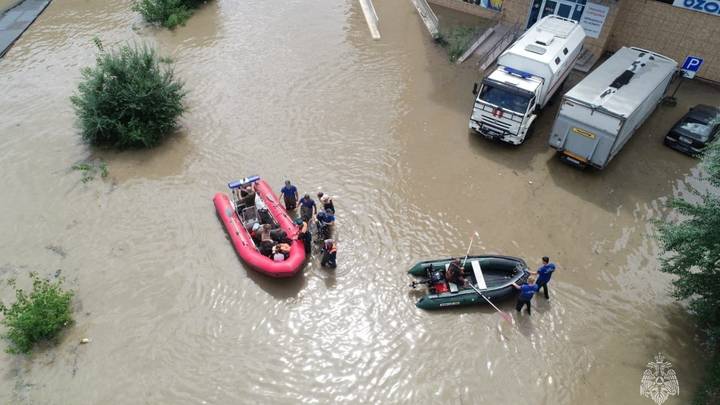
(503, 98)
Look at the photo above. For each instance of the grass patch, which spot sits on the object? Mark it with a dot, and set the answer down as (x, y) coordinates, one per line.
(130, 99)
(168, 13)
(90, 169)
(37, 316)
(457, 40)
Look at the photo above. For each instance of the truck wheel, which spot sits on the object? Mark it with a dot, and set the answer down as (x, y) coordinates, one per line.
(529, 132)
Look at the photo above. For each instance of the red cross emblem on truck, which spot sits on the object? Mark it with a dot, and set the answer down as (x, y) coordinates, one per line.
(498, 112)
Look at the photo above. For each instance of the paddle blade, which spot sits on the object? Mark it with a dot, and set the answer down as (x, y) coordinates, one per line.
(507, 317)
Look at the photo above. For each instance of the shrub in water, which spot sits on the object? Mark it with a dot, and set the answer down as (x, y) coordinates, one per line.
(41, 315)
(128, 99)
(168, 13)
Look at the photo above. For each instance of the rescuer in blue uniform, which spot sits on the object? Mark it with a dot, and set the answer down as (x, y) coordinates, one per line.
(544, 273)
(526, 293)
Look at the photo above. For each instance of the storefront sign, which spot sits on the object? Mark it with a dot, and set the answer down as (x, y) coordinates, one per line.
(593, 19)
(491, 4)
(705, 6)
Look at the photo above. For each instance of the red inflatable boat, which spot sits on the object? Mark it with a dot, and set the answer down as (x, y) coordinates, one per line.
(239, 217)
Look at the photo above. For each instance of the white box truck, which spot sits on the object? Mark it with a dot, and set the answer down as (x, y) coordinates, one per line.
(527, 76)
(600, 114)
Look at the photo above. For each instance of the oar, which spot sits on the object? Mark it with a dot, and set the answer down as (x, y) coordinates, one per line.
(468, 250)
(504, 315)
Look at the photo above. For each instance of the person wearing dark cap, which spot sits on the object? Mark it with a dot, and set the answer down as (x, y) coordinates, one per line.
(544, 273)
(325, 221)
(307, 208)
(290, 195)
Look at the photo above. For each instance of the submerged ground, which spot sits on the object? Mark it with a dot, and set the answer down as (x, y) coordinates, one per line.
(299, 90)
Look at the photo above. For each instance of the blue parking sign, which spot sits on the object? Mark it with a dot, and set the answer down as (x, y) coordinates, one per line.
(691, 66)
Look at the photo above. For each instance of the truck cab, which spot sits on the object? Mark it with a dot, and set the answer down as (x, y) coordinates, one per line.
(505, 105)
(529, 72)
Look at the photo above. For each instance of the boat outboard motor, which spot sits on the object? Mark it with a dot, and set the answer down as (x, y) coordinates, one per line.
(437, 276)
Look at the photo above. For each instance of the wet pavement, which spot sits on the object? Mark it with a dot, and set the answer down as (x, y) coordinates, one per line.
(175, 317)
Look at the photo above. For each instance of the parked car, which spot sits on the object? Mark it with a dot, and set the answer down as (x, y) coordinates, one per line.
(695, 130)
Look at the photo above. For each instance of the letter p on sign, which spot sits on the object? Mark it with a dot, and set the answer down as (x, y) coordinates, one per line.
(691, 66)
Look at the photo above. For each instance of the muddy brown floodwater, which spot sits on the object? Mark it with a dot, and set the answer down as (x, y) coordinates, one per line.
(299, 90)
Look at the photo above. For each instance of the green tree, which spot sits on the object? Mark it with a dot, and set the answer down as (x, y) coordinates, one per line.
(168, 13)
(41, 315)
(128, 99)
(693, 249)
(692, 253)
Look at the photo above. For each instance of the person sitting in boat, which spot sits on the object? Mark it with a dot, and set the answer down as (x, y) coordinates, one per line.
(325, 221)
(278, 257)
(283, 249)
(329, 254)
(247, 195)
(304, 234)
(326, 202)
(266, 242)
(454, 273)
(255, 233)
(279, 236)
(308, 209)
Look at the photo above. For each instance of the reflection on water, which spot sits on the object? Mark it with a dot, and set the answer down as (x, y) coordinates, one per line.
(298, 90)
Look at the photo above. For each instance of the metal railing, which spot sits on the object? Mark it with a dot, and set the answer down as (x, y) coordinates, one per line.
(500, 46)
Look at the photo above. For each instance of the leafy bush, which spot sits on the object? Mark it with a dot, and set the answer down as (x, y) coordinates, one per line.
(168, 13)
(38, 316)
(128, 99)
(457, 41)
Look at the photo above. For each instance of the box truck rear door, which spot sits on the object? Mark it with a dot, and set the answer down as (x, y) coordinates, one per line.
(580, 144)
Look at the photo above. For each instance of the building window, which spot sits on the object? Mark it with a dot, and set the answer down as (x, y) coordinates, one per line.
(572, 9)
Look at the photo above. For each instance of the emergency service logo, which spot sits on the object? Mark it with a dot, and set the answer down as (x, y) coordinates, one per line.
(659, 381)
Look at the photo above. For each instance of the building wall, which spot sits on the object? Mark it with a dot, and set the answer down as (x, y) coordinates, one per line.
(599, 44)
(671, 31)
(515, 12)
(650, 24)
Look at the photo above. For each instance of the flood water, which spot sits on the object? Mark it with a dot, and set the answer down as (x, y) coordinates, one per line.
(299, 90)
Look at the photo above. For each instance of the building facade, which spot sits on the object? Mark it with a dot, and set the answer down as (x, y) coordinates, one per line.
(675, 28)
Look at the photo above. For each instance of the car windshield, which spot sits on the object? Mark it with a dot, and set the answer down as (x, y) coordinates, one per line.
(506, 99)
(695, 128)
